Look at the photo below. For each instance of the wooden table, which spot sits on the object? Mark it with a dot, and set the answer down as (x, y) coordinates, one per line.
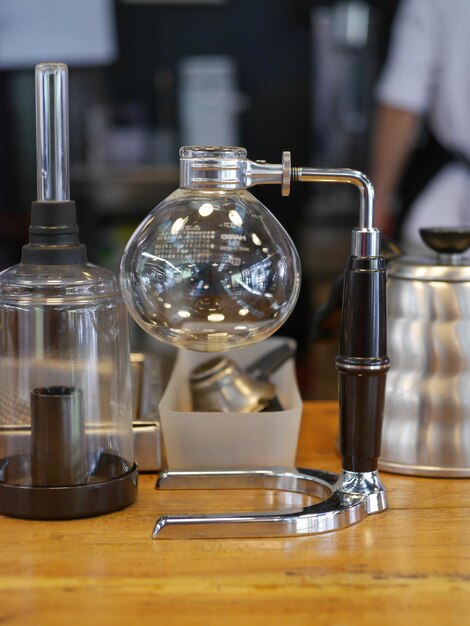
(409, 565)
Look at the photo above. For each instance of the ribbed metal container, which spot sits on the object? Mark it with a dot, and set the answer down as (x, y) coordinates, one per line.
(427, 408)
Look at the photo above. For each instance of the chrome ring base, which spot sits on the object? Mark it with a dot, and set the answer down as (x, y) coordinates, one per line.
(347, 499)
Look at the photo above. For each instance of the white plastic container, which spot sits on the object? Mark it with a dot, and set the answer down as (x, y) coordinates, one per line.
(230, 440)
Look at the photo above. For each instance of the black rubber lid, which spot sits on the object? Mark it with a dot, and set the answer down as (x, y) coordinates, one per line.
(53, 235)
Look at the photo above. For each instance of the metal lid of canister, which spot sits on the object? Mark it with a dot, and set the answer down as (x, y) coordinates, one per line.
(448, 264)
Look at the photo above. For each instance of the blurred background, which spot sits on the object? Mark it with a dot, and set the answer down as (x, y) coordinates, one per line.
(147, 76)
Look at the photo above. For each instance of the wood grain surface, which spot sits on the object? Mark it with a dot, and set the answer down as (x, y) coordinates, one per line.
(409, 565)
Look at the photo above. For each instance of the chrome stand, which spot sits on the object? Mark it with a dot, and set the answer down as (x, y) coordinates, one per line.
(362, 365)
(347, 499)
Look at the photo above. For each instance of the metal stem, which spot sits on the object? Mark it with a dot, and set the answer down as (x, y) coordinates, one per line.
(52, 132)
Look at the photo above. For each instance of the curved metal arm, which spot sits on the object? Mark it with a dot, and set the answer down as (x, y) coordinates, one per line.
(353, 177)
(365, 238)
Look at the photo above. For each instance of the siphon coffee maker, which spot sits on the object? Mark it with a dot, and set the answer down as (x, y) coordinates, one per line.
(66, 447)
(210, 268)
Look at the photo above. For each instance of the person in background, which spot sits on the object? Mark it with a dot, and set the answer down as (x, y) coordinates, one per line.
(425, 82)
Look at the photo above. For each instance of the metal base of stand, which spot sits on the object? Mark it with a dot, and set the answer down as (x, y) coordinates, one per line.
(347, 499)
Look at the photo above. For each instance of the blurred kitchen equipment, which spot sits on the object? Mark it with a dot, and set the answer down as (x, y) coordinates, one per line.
(147, 389)
(184, 291)
(64, 352)
(221, 385)
(82, 34)
(427, 405)
(345, 38)
(209, 101)
(344, 61)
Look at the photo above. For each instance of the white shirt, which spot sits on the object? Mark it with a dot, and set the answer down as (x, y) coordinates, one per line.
(428, 72)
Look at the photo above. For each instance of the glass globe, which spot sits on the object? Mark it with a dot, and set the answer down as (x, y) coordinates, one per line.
(210, 270)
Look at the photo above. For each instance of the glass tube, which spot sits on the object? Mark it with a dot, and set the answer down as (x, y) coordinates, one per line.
(52, 132)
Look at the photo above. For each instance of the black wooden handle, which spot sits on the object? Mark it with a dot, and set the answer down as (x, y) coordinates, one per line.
(270, 362)
(362, 363)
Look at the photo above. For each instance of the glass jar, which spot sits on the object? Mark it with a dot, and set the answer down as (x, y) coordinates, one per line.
(65, 392)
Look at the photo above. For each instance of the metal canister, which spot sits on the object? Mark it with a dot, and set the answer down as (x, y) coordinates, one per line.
(426, 427)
